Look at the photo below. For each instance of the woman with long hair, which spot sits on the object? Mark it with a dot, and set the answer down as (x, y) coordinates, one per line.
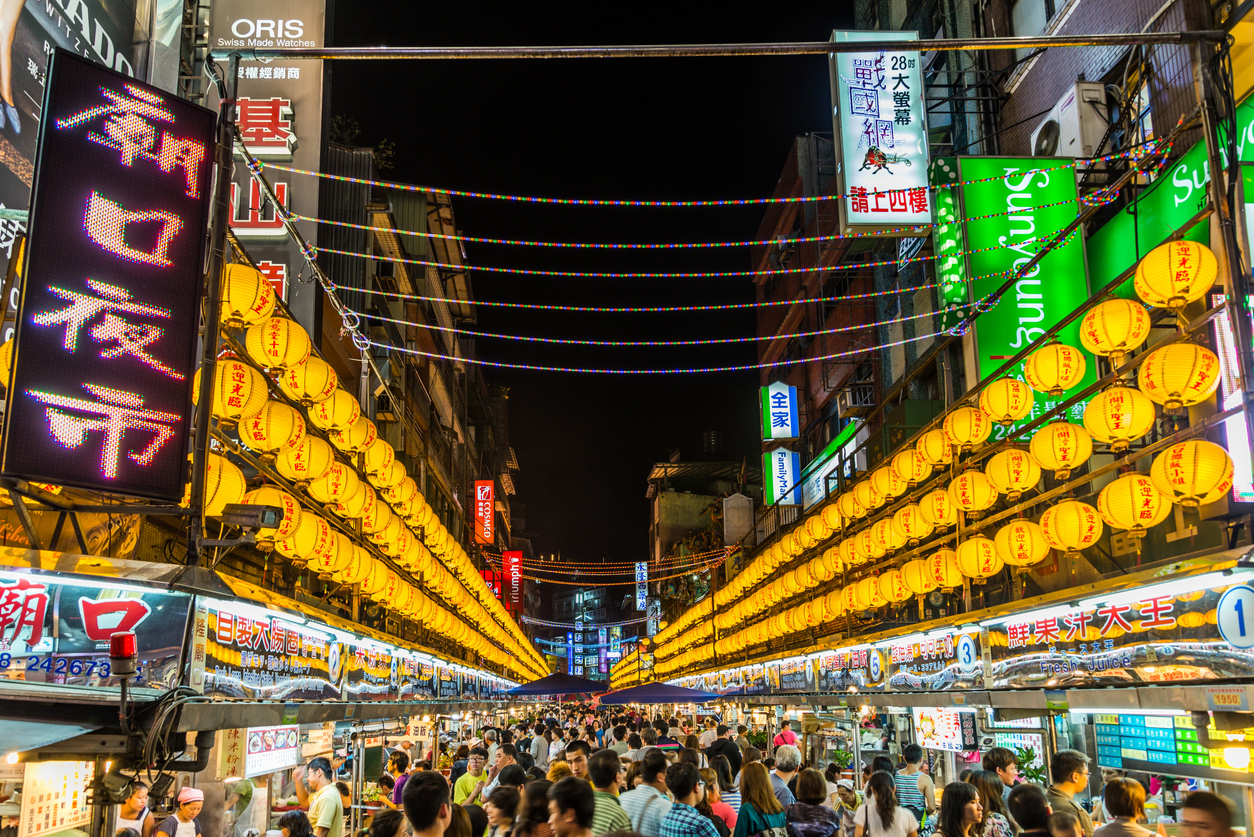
(727, 789)
(881, 816)
(714, 797)
(759, 809)
(996, 821)
(502, 809)
(533, 810)
(960, 813)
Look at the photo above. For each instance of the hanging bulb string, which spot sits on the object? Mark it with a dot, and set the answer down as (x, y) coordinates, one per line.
(1080, 162)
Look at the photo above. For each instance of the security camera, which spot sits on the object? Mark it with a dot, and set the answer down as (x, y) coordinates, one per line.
(250, 519)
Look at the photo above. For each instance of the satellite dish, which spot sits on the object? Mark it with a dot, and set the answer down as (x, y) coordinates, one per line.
(1046, 139)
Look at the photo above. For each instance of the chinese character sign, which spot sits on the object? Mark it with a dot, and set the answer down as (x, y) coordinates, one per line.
(781, 470)
(642, 585)
(881, 123)
(779, 412)
(603, 650)
(485, 511)
(106, 335)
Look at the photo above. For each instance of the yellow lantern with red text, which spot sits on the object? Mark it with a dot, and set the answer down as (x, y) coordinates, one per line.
(1012, 472)
(1174, 274)
(1071, 526)
(908, 521)
(849, 598)
(1021, 543)
(868, 593)
(918, 578)
(868, 497)
(1006, 400)
(1119, 416)
(1115, 327)
(1061, 447)
(354, 505)
(376, 516)
(224, 484)
(1054, 368)
(239, 391)
(850, 507)
(886, 482)
(1193, 473)
(312, 535)
(849, 554)
(268, 495)
(389, 477)
(937, 509)
(911, 467)
(306, 462)
(1132, 502)
(967, 427)
(935, 447)
(972, 492)
(893, 587)
(886, 537)
(310, 382)
(247, 296)
(867, 547)
(337, 484)
(337, 412)
(355, 438)
(278, 344)
(1179, 375)
(978, 558)
(943, 565)
(817, 528)
(833, 518)
(835, 603)
(275, 429)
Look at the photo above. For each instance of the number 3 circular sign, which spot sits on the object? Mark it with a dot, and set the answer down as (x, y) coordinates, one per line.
(1235, 615)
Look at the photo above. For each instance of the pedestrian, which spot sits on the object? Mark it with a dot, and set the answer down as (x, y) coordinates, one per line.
(714, 796)
(785, 736)
(387, 823)
(478, 819)
(787, 763)
(722, 745)
(326, 808)
(295, 824)
(1206, 814)
(915, 791)
(606, 771)
(648, 803)
(533, 810)
(709, 735)
(622, 744)
(134, 812)
(183, 822)
(1003, 762)
(996, 817)
(470, 786)
(571, 808)
(693, 745)
(727, 789)
(1029, 807)
(850, 800)
(398, 766)
(807, 817)
(1069, 770)
(427, 805)
(634, 745)
(1125, 801)
(751, 754)
(880, 815)
(459, 822)
(961, 813)
(683, 819)
(501, 808)
(742, 738)
(461, 761)
(759, 809)
(1063, 824)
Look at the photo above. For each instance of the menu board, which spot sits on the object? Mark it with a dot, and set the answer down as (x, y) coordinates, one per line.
(945, 729)
(54, 797)
(450, 683)
(1130, 742)
(270, 749)
(863, 668)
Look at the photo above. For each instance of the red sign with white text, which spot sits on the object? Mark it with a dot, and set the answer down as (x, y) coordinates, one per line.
(511, 566)
(485, 511)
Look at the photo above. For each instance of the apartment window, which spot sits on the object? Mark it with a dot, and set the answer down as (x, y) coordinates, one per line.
(1030, 17)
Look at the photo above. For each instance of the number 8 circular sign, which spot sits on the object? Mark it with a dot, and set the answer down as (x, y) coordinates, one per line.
(1235, 616)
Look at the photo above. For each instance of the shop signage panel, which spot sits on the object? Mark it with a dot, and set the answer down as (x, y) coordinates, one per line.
(450, 683)
(1028, 208)
(865, 668)
(269, 749)
(418, 680)
(1157, 639)
(105, 348)
(791, 676)
(54, 797)
(881, 125)
(373, 673)
(937, 663)
(781, 468)
(57, 632)
(512, 587)
(642, 585)
(603, 650)
(940, 728)
(750, 680)
(779, 412)
(485, 512)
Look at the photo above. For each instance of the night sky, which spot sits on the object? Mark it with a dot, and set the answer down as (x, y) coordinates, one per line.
(673, 128)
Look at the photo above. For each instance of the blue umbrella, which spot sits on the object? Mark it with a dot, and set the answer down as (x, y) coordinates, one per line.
(559, 684)
(657, 693)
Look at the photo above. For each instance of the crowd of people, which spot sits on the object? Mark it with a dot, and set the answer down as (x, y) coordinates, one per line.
(626, 776)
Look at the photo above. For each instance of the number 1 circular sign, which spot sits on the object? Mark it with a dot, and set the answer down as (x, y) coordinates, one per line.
(1235, 615)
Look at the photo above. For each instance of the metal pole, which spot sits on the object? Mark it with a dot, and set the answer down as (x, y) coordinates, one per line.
(712, 50)
(209, 339)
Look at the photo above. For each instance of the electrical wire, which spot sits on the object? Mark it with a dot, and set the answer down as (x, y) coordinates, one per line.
(533, 621)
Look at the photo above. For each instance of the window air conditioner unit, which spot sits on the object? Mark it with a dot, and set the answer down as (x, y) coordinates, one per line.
(1075, 126)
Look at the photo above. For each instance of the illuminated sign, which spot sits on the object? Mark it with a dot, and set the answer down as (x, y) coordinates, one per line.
(570, 652)
(106, 337)
(270, 749)
(781, 468)
(1235, 427)
(512, 565)
(603, 649)
(951, 267)
(946, 729)
(642, 585)
(879, 118)
(485, 512)
(779, 412)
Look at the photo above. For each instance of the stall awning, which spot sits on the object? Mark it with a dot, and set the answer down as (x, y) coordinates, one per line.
(24, 736)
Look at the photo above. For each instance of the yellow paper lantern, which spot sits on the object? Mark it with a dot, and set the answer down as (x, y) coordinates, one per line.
(307, 461)
(338, 483)
(1054, 368)
(335, 557)
(390, 532)
(909, 523)
(887, 484)
(835, 604)
(247, 296)
(1174, 274)
(867, 547)
(937, 509)
(1179, 375)
(277, 344)
(868, 497)
(224, 484)
(312, 535)
(355, 438)
(1114, 328)
(275, 429)
(978, 558)
(791, 585)
(911, 467)
(310, 382)
(817, 529)
(1012, 472)
(401, 496)
(390, 476)
(943, 566)
(239, 391)
(355, 505)
(1071, 526)
(833, 518)
(833, 562)
(1061, 447)
(358, 569)
(819, 570)
(377, 515)
(967, 427)
(1132, 502)
(1021, 543)
(6, 361)
(268, 495)
(893, 587)
(869, 595)
(886, 535)
(1119, 416)
(935, 447)
(1193, 473)
(972, 492)
(1006, 400)
(850, 507)
(339, 411)
(918, 578)
(849, 598)
(849, 555)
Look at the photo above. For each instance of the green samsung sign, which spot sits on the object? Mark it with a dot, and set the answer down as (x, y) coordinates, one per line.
(1028, 208)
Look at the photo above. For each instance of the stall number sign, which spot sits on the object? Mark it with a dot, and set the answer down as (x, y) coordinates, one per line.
(104, 353)
(270, 749)
(485, 511)
(877, 107)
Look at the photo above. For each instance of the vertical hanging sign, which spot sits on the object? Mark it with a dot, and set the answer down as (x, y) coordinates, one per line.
(485, 511)
(603, 650)
(570, 652)
(781, 469)
(105, 350)
(511, 596)
(881, 125)
(779, 412)
(642, 585)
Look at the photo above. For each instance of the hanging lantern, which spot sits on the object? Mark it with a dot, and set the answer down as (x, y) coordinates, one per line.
(1013, 472)
(312, 535)
(911, 467)
(389, 477)
(849, 555)
(1174, 274)
(1193, 473)
(943, 565)
(247, 296)
(866, 547)
(893, 587)
(378, 457)
(1054, 368)
(794, 543)
(277, 344)
(887, 484)
(817, 529)
(333, 559)
(909, 523)
(1132, 502)
(6, 361)
(337, 484)
(339, 411)
(835, 604)
(1119, 416)
(310, 382)
(376, 516)
(389, 533)
(967, 427)
(868, 497)
(359, 567)
(972, 492)
(224, 485)
(935, 447)
(1061, 447)
(1006, 400)
(1021, 543)
(978, 558)
(305, 462)
(1179, 375)
(850, 507)
(868, 594)
(355, 504)
(918, 579)
(849, 598)
(239, 391)
(277, 428)
(937, 509)
(402, 495)
(268, 495)
(886, 536)
(1114, 328)
(792, 586)
(1071, 526)
(355, 438)
(834, 563)
(833, 518)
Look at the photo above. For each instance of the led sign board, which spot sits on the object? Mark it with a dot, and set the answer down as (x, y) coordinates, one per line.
(485, 511)
(511, 561)
(105, 350)
(779, 412)
(642, 585)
